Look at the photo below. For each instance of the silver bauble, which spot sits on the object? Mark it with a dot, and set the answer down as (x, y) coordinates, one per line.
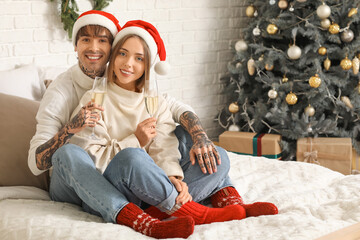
(325, 23)
(347, 36)
(234, 128)
(294, 52)
(241, 45)
(272, 94)
(323, 11)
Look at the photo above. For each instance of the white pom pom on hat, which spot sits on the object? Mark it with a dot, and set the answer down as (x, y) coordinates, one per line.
(95, 17)
(152, 38)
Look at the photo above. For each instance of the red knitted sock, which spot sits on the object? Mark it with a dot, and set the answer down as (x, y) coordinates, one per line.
(229, 196)
(156, 213)
(203, 215)
(132, 216)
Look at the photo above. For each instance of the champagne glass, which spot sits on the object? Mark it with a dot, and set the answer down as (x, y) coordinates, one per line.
(97, 96)
(151, 96)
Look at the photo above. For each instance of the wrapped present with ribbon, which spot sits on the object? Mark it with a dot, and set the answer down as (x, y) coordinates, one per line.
(333, 153)
(248, 143)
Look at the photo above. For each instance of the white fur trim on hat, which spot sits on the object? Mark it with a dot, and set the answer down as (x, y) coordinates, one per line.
(144, 35)
(93, 19)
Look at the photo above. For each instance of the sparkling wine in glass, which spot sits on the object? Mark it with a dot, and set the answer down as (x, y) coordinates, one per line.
(97, 96)
(151, 97)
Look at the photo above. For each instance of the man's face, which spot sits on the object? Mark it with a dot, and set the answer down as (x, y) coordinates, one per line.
(93, 53)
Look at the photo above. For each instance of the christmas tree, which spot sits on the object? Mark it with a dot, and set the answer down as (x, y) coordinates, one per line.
(296, 72)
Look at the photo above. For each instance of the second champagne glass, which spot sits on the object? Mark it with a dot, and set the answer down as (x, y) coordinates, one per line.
(97, 96)
(151, 96)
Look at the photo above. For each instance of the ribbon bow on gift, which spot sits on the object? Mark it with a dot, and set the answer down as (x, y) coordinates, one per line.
(311, 157)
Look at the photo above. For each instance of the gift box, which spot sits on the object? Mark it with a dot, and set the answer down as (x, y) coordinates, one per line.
(355, 166)
(333, 153)
(249, 143)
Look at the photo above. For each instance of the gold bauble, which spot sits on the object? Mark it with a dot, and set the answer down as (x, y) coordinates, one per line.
(347, 102)
(315, 81)
(251, 66)
(250, 11)
(310, 111)
(291, 98)
(285, 79)
(272, 29)
(283, 4)
(352, 12)
(355, 65)
(346, 64)
(334, 28)
(322, 50)
(358, 87)
(327, 64)
(269, 67)
(234, 107)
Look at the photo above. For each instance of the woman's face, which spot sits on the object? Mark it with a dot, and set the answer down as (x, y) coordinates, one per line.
(129, 64)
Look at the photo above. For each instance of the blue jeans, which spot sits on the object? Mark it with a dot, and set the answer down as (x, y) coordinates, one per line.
(201, 186)
(131, 176)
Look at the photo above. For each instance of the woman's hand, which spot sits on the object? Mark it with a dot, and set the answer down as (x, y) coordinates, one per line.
(145, 131)
(86, 117)
(184, 195)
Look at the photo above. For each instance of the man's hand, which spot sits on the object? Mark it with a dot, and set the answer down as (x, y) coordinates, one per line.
(88, 116)
(184, 195)
(145, 131)
(203, 148)
(205, 152)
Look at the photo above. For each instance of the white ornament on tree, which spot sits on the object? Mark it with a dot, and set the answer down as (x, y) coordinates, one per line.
(241, 45)
(325, 23)
(256, 31)
(234, 128)
(323, 11)
(272, 94)
(294, 52)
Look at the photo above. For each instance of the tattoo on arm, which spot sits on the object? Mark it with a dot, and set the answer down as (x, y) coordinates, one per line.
(191, 123)
(45, 151)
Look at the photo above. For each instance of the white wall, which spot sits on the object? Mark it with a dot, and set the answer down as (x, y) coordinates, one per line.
(198, 36)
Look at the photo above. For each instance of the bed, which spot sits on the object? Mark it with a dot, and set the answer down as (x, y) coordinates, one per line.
(313, 201)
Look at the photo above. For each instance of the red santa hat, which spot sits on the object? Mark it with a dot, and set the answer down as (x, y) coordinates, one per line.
(152, 38)
(95, 17)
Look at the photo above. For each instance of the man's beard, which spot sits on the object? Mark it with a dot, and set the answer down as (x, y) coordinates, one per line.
(92, 73)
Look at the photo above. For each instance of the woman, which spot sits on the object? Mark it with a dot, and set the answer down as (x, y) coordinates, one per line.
(145, 170)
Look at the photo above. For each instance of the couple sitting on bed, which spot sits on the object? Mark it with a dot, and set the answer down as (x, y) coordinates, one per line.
(127, 175)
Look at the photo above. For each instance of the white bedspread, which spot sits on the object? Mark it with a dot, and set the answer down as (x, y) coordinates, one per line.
(312, 201)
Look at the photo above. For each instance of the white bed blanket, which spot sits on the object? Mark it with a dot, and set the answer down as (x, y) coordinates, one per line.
(312, 201)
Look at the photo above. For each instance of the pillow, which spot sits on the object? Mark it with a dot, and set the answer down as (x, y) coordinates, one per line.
(17, 127)
(23, 82)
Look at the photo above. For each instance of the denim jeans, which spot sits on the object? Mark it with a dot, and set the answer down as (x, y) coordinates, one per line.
(131, 176)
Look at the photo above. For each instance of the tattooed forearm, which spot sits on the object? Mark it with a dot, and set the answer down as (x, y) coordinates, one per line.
(191, 123)
(45, 151)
